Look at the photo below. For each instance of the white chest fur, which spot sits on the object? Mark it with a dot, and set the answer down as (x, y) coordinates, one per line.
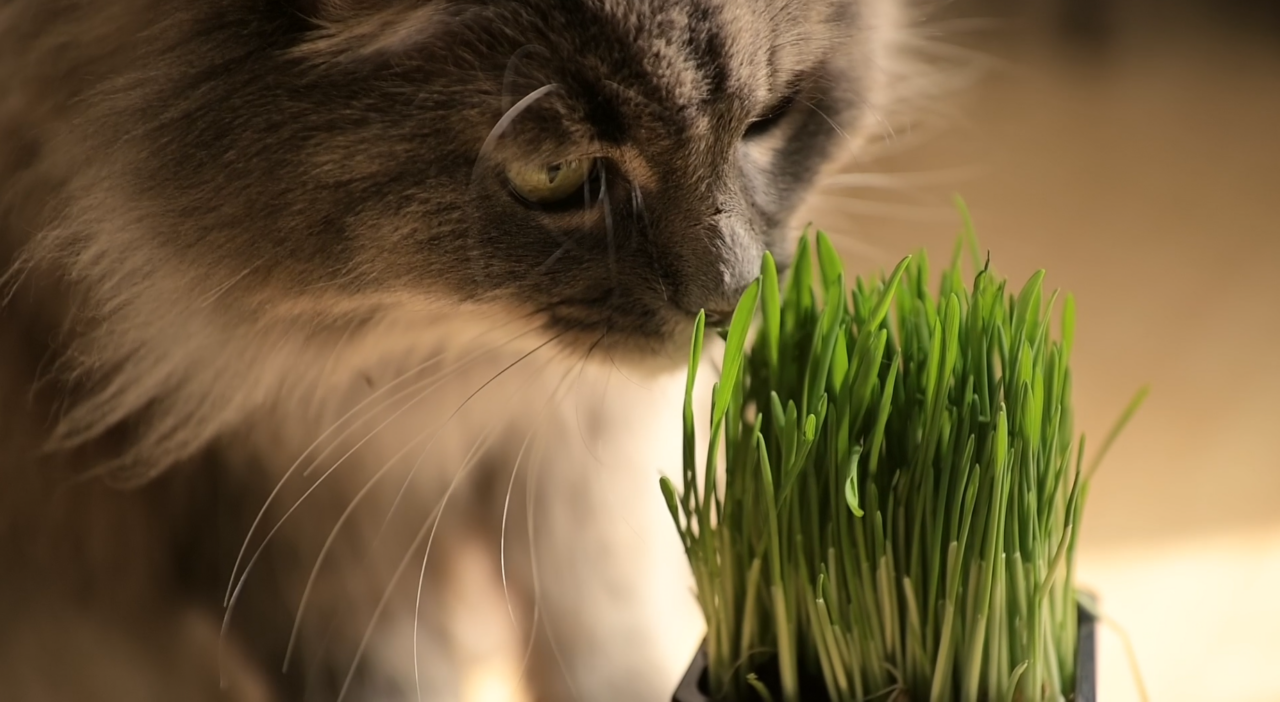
(534, 483)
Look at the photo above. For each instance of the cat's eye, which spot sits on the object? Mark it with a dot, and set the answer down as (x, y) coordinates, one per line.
(547, 185)
(773, 117)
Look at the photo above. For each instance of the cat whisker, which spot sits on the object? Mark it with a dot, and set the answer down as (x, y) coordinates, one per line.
(504, 123)
(217, 292)
(237, 585)
(551, 637)
(428, 528)
(333, 356)
(637, 203)
(568, 241)
(473, 456)
(506, 504)
(608, 494)
(371, 411)
(359, 497)
(614, 362)
(925, 42)
(890, 210)
(530, 512)
(319, 660)
(530, 499)
(382, 602)
(468, 463)
(568, 244)
(556, 397)
(608, 226)
(353, 411)
(432, 380)
(875, 114)
(404, 486)
(508, 77)
(533, 638)
(899, 181)
(914, 196)
(577, 415)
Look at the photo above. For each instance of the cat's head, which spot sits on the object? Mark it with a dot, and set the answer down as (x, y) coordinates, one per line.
(605, 167)
(602, 164)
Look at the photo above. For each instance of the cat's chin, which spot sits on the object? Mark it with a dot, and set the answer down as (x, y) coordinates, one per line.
(638, 354)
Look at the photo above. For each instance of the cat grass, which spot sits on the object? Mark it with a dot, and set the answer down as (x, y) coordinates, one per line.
(892, 501)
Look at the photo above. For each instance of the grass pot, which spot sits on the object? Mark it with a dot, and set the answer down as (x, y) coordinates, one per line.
(693, 687)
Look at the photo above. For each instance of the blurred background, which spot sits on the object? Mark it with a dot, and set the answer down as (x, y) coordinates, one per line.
(1132, 149)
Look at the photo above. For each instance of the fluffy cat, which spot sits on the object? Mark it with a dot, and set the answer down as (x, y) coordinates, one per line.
(418, 276)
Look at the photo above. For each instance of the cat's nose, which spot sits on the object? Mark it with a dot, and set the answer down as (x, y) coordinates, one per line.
(720, 298)
(715, 299)
(720, 265)
(720, 310)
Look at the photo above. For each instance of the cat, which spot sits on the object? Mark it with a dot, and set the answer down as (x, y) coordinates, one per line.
(308, 302)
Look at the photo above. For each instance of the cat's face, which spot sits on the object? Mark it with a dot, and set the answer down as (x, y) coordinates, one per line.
(605, 165)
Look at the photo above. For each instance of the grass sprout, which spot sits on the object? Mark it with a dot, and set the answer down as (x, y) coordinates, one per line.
(901, 488)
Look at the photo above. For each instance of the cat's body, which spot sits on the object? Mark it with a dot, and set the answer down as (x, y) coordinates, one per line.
(259, 243)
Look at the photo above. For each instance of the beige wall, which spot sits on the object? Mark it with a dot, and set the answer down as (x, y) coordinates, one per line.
(1147, 181)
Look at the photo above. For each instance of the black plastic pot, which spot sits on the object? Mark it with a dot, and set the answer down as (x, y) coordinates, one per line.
(693, 687)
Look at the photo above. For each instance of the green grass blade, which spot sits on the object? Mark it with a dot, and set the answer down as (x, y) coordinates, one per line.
(1129, 411)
